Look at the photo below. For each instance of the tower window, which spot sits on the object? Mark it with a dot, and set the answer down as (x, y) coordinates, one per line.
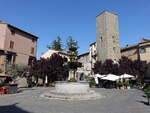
(113, 38)
(114, 49)
(101, 38)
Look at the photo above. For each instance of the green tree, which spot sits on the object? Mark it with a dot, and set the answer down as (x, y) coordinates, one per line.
(72, 44)
(56, 44)
(72, 47)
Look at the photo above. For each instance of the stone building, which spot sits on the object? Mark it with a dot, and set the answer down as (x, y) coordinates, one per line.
(139, 51)
(16, 46)
(86, 63)
(106, 45)
(107, 37)
(93, 54)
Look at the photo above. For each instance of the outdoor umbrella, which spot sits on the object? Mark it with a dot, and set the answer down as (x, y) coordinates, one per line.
(126, 76)
(111, 77)
(99, 76)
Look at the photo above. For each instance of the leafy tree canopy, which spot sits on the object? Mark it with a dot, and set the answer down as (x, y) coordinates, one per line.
(56, 45)
(72, 44)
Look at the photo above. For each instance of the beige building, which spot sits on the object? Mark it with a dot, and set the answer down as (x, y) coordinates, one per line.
(16, 46)
(139, 51)
(49, 53)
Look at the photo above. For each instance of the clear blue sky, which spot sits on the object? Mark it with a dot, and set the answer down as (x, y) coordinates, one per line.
(49, 18)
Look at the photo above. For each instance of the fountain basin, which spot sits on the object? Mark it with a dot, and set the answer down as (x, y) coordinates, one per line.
(72, 91)
(72, 87)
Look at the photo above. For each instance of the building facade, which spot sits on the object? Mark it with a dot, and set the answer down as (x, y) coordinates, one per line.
(16, 46)
(86, 64)
(106, 45)
(107, 37)
(49, 53)
(139, 51)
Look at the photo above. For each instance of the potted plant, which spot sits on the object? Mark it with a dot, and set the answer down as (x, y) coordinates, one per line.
(120, 85)
(92, 83)
(127, 85)
(147, 92)
(139, 84)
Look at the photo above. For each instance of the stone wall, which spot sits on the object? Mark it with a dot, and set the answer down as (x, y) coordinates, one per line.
(86, 64)
(107, 37)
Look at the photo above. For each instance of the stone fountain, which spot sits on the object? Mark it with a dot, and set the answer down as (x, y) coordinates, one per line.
(72, 90)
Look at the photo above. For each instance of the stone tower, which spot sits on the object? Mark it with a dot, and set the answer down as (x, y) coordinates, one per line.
(107, 37)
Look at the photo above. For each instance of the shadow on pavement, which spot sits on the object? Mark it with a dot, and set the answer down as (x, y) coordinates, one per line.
(144, 96)
(12, 109)
(144, 102)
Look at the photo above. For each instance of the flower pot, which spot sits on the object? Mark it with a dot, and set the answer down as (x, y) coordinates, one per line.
(93, 86)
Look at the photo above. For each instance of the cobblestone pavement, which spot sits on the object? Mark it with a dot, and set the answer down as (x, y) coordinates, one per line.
(113, 101)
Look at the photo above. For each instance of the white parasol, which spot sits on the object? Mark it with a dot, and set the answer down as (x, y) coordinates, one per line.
(126, 76)
(111, 77)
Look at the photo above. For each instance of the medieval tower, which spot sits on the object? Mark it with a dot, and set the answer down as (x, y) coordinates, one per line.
(107, 37)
